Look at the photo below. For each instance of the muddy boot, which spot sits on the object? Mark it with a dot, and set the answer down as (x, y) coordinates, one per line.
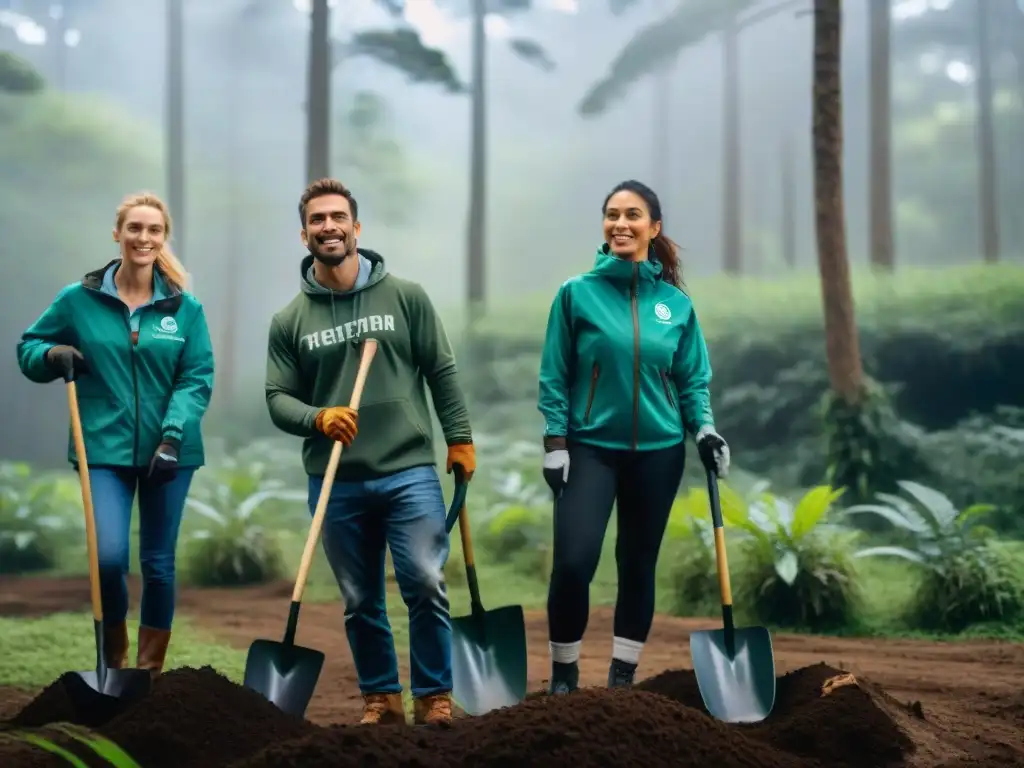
(383, 709)
(620, 674)
(115, 645)
(433, 710)
(565, 678)
(152, 649)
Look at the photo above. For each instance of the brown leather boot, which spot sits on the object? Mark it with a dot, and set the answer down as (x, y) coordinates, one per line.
(152, 649)
(383, 709)
(433, 710)
(115, 644)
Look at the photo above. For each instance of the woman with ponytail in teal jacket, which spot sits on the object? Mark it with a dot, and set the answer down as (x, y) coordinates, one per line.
(623, 381)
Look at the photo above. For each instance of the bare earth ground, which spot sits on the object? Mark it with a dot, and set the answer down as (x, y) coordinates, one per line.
(968, 691)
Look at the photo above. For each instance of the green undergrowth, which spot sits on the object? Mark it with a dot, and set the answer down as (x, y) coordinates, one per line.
(727, 305)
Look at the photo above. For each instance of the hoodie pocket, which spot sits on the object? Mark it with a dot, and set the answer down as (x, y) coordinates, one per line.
(594, 373)
(389, 430)
(666, 383)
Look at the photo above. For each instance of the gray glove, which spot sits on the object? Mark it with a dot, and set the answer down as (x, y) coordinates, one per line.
(556, 469)
(713, 451)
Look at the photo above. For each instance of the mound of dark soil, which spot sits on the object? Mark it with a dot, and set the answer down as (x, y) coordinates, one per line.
(197, 717)
(190, 717)
(845, 728)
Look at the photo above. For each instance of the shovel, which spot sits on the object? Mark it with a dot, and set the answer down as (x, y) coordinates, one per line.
(488, 647)
(102, 692)
(735, 668)
(286, 673)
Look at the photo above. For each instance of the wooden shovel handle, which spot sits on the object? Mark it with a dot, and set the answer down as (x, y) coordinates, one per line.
(369, 350)
(90, 513)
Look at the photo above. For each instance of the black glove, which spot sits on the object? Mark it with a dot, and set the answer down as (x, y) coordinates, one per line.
(67, 361)
(165, 461)
(713, 451)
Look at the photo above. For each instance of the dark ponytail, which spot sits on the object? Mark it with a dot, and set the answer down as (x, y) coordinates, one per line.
(665, 251)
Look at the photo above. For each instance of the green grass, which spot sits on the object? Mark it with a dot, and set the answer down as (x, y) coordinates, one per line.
(38, 650)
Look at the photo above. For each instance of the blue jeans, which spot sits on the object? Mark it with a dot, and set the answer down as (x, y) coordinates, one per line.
(160, 509)
(404, 511)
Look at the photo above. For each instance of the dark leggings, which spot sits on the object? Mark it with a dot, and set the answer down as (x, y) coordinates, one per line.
(644, 485)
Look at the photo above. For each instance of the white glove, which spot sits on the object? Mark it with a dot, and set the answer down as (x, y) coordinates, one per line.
(713, 450)
(556, 469)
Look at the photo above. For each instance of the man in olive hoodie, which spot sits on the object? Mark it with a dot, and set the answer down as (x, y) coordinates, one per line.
(387, 491)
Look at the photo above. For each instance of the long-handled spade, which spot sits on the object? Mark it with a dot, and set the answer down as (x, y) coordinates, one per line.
(286, 673)
(735, 668)
(488, 647)
(103, 691)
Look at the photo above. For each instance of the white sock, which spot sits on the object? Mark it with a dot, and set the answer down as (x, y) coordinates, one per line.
(626, 650)
(565, 653)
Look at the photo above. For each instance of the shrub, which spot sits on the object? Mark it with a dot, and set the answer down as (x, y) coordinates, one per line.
(519, 536)
(693, 578)
(981, 456)
(795, 567)
(35, 519)
(18, 76)
(233, 549)
(965, 579)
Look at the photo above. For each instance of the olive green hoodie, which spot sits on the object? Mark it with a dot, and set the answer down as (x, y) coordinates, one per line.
(313, 354)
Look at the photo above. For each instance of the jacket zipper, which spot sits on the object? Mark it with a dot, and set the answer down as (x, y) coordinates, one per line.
(668, 389)
(636, 355)
(138, 414)
(593, 388)
(134, 338)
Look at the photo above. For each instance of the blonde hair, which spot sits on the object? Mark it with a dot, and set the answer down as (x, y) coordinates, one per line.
(167, 264)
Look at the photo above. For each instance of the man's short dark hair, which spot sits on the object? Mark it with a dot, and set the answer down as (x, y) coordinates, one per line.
(322, 187)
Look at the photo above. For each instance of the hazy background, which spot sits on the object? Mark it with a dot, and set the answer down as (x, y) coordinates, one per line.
(66, 167)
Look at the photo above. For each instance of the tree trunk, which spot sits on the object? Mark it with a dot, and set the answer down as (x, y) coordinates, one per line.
(987, 197)
(175, 117)
(842, 346)
(732, 195)
(788, 198)
(318, 94)
(476, 231)
(880, 204)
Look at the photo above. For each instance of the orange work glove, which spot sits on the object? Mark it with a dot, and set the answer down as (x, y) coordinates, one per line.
(339, 423)
(465, 455)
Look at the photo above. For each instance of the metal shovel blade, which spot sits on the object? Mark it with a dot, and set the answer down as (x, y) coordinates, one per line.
(98, 702)
(736, 687)
(489, 659)
(286, 674)
(99, 694)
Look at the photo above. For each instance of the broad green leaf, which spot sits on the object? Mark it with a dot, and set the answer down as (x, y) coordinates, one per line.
(55, 749)
(787, 566)
(888, 513)
(975, 510)
(206, 510)
(900, 552)
(936, 503)
(247, 507)
(102, 746)
(812, 508)
(908, 510)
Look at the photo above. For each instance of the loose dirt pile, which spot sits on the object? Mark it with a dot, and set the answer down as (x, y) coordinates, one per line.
(196, 717)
